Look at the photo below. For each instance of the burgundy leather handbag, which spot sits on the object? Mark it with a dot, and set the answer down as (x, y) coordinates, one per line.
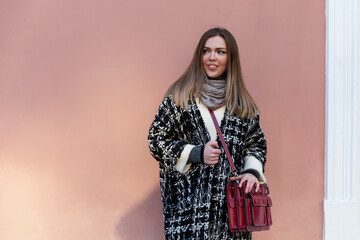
(247, 211)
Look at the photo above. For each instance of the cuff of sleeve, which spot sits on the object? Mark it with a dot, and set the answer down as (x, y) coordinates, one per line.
(182, 165)
(196, 155)
(253, 172)
(252, 162)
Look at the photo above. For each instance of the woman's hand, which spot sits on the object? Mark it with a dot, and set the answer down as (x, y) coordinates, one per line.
(211, 153)
(250, 179)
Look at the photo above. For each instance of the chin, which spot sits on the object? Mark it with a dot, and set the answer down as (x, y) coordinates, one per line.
(210, 74)
(213, 75)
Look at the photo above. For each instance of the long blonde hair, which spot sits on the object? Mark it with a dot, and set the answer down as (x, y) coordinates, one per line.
(238, 99)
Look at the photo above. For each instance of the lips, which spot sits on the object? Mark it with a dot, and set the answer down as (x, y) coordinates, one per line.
(212, 66)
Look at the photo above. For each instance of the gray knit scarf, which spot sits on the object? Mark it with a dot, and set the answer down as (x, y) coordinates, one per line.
(212, 93)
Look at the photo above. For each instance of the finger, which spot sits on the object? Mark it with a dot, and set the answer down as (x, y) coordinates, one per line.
(216, 151)
(237, 178)
(213, 144)
(213, 161)
(249, 187)
(257, 186)
(242, 181)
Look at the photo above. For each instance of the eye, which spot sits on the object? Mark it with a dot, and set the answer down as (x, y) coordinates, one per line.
(205, 51)
(221, 52)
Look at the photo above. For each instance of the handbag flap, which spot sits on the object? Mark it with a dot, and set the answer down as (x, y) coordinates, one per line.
(259, 200)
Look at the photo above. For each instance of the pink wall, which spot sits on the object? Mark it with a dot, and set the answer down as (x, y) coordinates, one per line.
(80, 82)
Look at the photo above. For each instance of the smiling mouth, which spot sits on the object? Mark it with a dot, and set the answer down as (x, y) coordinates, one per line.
(212, 67)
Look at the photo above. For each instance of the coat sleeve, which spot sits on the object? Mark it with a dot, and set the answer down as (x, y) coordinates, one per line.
(165, 137)
(255, 142)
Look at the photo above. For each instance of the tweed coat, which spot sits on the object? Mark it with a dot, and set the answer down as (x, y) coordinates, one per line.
(194, 203)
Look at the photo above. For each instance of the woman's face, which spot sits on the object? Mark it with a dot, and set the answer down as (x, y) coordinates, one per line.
(214, 58)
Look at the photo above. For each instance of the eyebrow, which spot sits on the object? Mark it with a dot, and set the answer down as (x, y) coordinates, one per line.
(216, 48)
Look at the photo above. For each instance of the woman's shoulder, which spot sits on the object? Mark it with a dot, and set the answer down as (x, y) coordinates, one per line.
(169, 105)
(169, 101)
(250, 121)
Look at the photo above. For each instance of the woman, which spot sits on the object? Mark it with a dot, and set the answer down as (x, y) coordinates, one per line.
(194, 170)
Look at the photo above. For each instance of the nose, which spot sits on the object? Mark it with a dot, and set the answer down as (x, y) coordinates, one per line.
(212, 56)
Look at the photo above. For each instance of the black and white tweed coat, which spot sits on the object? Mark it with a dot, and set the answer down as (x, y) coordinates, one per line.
(194, 203)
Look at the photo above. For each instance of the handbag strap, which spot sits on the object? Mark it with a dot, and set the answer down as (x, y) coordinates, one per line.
(233, 168)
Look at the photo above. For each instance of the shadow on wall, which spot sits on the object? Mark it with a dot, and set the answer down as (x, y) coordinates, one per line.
(145, 221)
